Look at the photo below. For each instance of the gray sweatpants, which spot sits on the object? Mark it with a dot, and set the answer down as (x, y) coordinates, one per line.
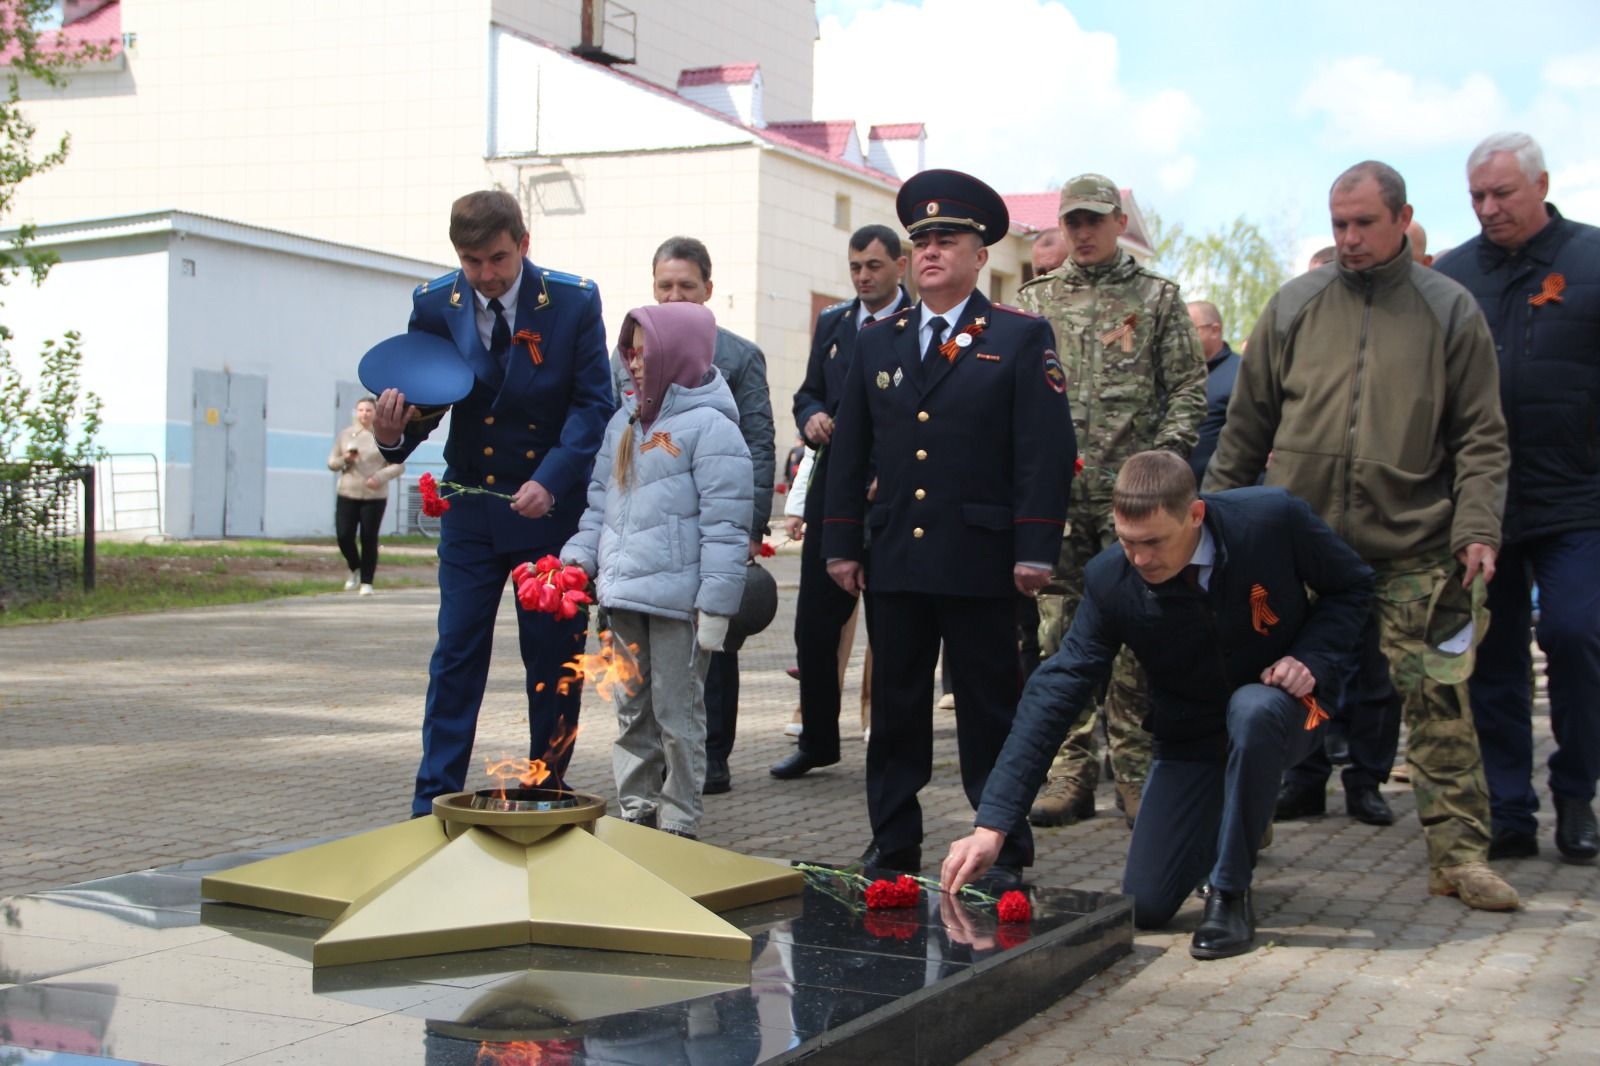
(659, 759)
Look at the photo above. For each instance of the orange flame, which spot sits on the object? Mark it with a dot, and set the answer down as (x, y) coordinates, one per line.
(516, 1053)
(615, 667)
(531, 773)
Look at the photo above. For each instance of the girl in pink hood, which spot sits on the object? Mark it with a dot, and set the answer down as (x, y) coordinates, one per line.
(666, 535)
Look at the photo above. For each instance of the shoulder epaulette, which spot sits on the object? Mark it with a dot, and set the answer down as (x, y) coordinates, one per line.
(899, 318)
(1036, 279)
(565, 279)
(841, 305)
(1019, 312)
(443, 281)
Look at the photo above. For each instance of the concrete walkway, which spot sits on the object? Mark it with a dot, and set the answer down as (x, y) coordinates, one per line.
(139, 741)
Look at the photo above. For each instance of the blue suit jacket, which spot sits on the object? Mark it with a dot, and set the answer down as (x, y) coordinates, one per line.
(973, 455)
(538, 421)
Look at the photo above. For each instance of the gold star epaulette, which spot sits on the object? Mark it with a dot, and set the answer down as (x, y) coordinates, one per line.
(443, 281)
(902, 318)
(566, 279)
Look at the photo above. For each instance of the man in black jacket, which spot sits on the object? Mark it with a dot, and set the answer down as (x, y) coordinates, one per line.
(877, 266)
(1537, 277)
(1210, 593)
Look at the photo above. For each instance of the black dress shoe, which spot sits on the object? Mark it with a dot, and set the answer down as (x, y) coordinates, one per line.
(718, 778)
(1577, 835)
(1228, 928)
(1366, 804)
(797, 764)
(900, 860)
(1510, 844)
(1299, 802)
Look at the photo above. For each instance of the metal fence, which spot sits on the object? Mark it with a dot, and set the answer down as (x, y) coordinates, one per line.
(46, 532)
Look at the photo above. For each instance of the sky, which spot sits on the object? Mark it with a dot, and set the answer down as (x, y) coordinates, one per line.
(1209, 111)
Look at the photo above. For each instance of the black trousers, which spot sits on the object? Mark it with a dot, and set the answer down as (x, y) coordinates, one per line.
(1368, 715)
(367, 515)
(820, 614)
(980, 647)
(722, 704)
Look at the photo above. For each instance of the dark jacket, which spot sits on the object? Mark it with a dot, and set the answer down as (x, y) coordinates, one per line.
(973, 455)
(1221, 370)
(535, 421)
(1196, 647)
(833, 344)
(1549, 369)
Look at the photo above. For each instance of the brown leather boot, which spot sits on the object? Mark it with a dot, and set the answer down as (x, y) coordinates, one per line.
(1062, 801)
(1128, 793)
(1476, 884)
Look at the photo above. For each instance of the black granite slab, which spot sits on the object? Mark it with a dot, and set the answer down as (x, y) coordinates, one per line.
(138, 966)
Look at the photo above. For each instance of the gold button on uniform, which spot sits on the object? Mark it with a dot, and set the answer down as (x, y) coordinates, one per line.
(488, 451)
(922, 416)
(529, 453)
(533, 425)
(489, 480)
(920, 493)
(921, 453)
(488, 420)
(917, 532)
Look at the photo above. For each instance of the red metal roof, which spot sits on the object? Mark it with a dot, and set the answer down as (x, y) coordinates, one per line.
(101, 27)
(726, 74)
(828, 137)
(897, 131)
(1033, 210)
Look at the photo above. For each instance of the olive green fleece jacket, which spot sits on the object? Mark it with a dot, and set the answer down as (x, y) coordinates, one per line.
(1375, 395)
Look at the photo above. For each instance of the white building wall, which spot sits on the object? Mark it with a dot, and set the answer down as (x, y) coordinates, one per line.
(676, 35)
(154, 307)
(357, 121)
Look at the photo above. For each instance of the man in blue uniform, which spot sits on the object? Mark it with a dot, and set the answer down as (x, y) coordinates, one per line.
(822, 608)
(959, 409)
(1209, 593)
(529, 429)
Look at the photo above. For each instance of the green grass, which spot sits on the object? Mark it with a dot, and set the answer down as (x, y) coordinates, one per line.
(133, 578)
(233, 549)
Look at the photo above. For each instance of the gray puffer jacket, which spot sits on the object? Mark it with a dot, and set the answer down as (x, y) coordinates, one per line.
(677, 540)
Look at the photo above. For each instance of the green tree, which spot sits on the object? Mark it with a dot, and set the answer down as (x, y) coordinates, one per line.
(55, 426)
(1236, 267)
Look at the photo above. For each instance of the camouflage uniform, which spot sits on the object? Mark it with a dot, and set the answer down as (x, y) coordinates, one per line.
(1137, 380)
(1441, 741)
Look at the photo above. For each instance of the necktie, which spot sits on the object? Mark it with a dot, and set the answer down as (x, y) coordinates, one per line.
(500, 339)
(936, 325)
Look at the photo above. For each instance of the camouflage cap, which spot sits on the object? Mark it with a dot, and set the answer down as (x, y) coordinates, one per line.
(1458, 618)
(1090, 192)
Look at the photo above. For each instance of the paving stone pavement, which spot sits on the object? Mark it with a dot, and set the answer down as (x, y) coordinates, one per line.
(133, 742)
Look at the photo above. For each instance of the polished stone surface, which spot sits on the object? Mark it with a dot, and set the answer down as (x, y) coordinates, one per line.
(137, 968)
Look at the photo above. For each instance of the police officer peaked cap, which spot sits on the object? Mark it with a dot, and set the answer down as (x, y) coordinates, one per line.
(951, 201)
(757, 608)
(427, 369)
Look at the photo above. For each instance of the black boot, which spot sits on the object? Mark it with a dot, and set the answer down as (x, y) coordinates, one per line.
(1228, 928)
(1577, 836)
(1366, 804)
(1299, 801)
(718, 778)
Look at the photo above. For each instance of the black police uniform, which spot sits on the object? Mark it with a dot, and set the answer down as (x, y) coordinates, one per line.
(972, 479)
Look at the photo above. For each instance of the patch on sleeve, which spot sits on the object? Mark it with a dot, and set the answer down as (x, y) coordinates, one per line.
(1054, 376)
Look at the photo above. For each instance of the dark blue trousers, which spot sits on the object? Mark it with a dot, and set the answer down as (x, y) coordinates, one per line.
(1201, 819)
(472, 578)
(1566, 567)
(722, 704)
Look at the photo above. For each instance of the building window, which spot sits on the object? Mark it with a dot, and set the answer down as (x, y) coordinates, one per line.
(841, 211)
(997, 286)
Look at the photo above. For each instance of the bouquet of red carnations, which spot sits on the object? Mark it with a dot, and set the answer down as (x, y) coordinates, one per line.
(552, 587)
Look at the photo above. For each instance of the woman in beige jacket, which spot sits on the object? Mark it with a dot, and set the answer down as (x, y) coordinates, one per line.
(363, 494)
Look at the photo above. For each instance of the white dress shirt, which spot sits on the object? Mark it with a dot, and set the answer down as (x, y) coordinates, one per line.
(951, 317)
(485, 317)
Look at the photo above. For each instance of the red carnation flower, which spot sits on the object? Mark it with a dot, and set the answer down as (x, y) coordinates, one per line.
(767, 551)
(1077, 465)
(1014, 907)
(433, 505)
(891, 895)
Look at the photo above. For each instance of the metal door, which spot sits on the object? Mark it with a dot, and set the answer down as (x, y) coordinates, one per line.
(246, 508)
(229, 465)
(208, 467)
